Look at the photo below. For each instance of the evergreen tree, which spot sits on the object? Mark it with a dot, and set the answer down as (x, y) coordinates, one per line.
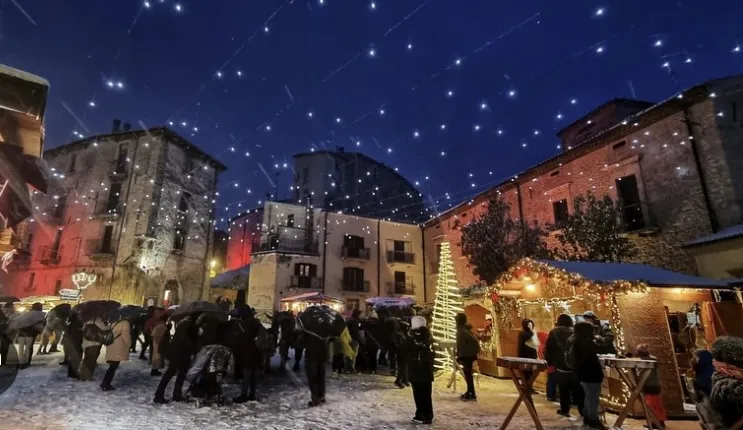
(494, 241)
(593, 232)
(446, 305)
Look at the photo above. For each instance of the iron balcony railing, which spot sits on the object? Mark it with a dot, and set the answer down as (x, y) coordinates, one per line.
(400, 257)
(289, 239)
(406, 288)
(305, 282)
(50, 255)
(358, 253)
(356, 285)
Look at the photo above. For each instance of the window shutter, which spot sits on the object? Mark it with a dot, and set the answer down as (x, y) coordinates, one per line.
(297, 269)
(313, 270)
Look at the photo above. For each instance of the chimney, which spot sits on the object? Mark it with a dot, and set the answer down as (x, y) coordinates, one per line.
(126, 127)
(117, 124)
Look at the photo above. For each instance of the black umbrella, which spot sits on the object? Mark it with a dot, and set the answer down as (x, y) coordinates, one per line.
(61, 311)
(26, 319)
(322, 321)
(9, 299)
(131, 312)
(199, 307)
(96, 309)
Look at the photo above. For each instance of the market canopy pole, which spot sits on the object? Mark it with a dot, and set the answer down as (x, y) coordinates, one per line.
(447, 303)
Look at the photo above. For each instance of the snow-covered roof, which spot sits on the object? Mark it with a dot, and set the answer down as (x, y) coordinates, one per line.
(632, 272)
(25, 76)
(728, 233)
(237, 278)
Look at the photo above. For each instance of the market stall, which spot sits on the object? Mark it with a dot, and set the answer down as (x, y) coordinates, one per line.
(232, 285)
(301, 302)
(635, 300)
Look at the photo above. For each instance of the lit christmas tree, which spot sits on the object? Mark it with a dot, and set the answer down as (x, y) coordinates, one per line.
(447, 304)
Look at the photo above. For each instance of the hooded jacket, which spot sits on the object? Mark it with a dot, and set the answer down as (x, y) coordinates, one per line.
(467, 344)
(420, 356)
(554, 350)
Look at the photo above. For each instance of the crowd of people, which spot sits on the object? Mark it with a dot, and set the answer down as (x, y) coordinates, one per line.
(202, 350)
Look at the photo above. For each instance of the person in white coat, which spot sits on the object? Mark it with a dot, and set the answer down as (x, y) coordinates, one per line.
(117, 352)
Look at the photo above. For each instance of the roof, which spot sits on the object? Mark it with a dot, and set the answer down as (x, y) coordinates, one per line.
(383, 302)
(615, 101)
(588, 145)
(310, 297)
(25, 76)
(633, 272)
(236, 279)
(728, 233)
(162, 130)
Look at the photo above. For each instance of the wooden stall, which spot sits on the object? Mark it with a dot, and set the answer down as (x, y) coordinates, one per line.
(301, 302)
(480, 317)
(639, 303)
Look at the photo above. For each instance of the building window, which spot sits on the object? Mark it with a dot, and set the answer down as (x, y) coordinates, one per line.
(73, 163)
(400, 284)
(106, 240)
(30, 283)
(304, 275)
(305, 175)
(353, 246)
(400, 252)
(55, 244)
(59, 207)
(290, 220)
(184, 201)
(619, 145)
(353, 279)
(114, 198)
(630, 203)
(121, 159)
(179, 240)
(57, 287)
(560, 211)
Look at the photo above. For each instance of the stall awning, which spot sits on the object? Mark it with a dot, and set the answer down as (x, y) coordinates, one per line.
(632, 272)
(383, 302)
(311, 297)
(234, 279)
(728, 233)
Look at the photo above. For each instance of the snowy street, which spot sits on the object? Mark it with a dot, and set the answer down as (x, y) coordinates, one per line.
(43, 398)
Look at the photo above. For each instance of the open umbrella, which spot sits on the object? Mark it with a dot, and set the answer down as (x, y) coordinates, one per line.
(56, 318)
(322, 321)
(26, 319)
(96, 309)
(199, 307)
(131, 312)
(9, 299)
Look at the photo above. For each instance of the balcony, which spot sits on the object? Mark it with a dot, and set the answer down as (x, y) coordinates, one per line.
(356, 253)
(50, 255)
(355, 285)
(636, 218)
(400, 257)
(289, 240)
(406, 288)
(105, 209)
(306, 282)
(99, 250)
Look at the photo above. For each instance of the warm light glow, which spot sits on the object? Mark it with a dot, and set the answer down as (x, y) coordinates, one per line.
(531, 287)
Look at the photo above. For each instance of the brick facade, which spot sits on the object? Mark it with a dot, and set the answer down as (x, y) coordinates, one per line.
(685, 153)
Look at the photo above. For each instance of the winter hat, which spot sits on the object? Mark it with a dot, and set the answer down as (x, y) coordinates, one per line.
(461, 319)
(417, 322)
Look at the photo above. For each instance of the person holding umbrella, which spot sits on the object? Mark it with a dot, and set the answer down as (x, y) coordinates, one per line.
(91, 347)
(118, 351)
(6, 338)
(28, 326)
(179, 352)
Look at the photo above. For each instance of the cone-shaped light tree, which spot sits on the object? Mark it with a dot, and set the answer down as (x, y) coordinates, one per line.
(447, 303)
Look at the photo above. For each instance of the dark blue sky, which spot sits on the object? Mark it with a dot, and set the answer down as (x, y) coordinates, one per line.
(317, 57)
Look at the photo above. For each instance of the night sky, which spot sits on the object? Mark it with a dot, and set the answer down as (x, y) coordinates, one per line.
(277, 77)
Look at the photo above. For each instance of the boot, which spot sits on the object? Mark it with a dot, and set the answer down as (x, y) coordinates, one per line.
(160, 400)
(155, 372)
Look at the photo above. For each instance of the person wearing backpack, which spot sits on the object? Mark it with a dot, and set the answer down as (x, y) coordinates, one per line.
(420, 369)
(468, 347)
(117, 352)
(93, 330)
(569, 388)
(582, 355)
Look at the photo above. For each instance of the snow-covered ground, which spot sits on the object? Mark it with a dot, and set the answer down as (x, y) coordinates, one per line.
(43, 398)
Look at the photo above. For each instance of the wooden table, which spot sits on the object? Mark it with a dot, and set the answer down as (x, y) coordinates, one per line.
(635, 373)
(518, 366)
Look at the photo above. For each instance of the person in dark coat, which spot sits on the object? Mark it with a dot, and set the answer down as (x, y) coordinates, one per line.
(371, 328)
(468, 348)
(589, 371)
(72, 342)
(528, 346)
(604, 337)
(702, 363)
(726, 397)
(180, 350)
(568, 385)
(315, 360)
(420, 369)
(7, 314)
(147, 334)
(354, 329)
(401, 347)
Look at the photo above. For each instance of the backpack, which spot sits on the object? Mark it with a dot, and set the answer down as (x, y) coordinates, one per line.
(569, 351)
(94, 333)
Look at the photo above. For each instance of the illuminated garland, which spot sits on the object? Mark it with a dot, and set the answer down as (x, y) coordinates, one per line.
(447, 304)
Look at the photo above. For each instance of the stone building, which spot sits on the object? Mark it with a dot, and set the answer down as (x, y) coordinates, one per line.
(675, 166)
(302, 249)
(241, 234)
(355, 183)
(134, 208)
